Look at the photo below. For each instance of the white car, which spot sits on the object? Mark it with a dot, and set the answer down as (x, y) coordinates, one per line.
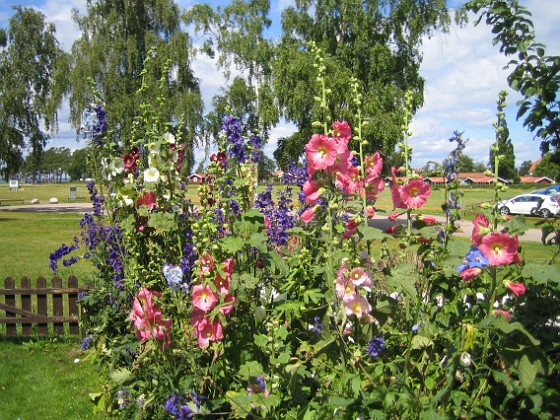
(530, 204)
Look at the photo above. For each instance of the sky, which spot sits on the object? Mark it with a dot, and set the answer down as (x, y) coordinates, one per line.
(464, 73)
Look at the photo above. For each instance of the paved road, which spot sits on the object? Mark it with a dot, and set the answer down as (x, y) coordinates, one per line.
(380, 220)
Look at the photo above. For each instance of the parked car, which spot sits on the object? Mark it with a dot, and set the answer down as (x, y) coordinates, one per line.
(550, 190)
(530, 204)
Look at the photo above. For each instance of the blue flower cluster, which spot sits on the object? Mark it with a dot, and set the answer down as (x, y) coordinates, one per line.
(375, 346)
(55, 256)
(174, 276)
(474, 259)
(189, 257)
(241, 151)
(178, 407)
(86, 342)
(280, 219)
(100, 130)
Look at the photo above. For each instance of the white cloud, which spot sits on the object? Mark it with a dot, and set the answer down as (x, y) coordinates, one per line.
(464, 73)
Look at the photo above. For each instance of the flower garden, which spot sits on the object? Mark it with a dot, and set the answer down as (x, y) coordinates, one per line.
(280, 306)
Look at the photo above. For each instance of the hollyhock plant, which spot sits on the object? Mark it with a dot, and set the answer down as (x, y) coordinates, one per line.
(415, 193)
(207, 331)
(358, 306)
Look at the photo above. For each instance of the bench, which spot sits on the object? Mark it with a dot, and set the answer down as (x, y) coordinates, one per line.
(78, 197)
(11, 200)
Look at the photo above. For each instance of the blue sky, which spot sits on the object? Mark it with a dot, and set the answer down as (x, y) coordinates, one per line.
(463, 73)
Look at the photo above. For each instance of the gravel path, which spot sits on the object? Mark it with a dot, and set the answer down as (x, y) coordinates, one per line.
(380, 220)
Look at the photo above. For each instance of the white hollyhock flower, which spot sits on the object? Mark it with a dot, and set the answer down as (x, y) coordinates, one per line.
(169, 138)
(151, 175)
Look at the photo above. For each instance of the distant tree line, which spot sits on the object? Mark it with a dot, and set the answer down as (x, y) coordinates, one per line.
(56, 165)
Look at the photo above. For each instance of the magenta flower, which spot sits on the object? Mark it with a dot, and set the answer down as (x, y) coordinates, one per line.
(517, 288)
(203, 297)
(480, 229)
(393, 216)
(358, 306)
(500, 248)
(312, 191)
(342, 130)
(429, 220)
(374, 164)
(308, 215)
(415, 193)
(505, 314)
(149, 199)
(321, 152)
(148, 319)
(470, 273)
(207, 331)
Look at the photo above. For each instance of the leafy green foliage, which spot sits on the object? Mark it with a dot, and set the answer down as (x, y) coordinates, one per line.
(534, 74)
(33, 71)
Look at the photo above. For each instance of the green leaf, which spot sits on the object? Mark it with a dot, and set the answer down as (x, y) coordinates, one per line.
(233, 244)
(403, 279)
(261, 340)
(541, 274)
(369, 233)
(258, 240)
(419, 342)
(121, 376)
(502, 324)
(250, 369)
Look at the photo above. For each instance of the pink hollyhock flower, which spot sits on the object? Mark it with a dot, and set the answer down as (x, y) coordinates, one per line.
(415, 193)
(149, 199)
(196, 317)
(358, 306)
(267, 222)
(391, 230)
(470, 273)
(148, 319)
(393, 216)
(480, 229)
(129, 163)
(517, 288)
(350, 226)
(501, 312)
(370, 212)
(230, 300)
(345, 289)
(222, 284)
(308, 215)
(373, 186)
(312, 191)
(206, 263)
(229, 265)
(321, 152)
(499, 248)
(207, 331)
(395, 193)
(203, 297)
(423, 240)
(429, 220)
(374, 164)
(342, 130)
(348, 181)
(360, 277)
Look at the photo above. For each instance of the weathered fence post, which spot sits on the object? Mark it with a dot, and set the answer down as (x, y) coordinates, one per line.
(26, 304)
(10, 301)
(42, 307)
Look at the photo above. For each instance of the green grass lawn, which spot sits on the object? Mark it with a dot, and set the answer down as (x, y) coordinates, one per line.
(46, 379)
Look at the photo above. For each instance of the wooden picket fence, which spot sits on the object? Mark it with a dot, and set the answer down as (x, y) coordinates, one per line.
(40, 310)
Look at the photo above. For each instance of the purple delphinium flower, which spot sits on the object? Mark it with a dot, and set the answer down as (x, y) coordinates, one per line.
(278, 219)
(375, 346)
(86, 342)
(100, 130)
(233, 131)
(59, 253)
(318, 325)
(178, 408)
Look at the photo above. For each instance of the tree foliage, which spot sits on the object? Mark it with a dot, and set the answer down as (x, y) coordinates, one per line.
(117, 37)
(503, 148)
(236, 34)
(534, 74)
(33, 70)
(549, 166)
(375, 42)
